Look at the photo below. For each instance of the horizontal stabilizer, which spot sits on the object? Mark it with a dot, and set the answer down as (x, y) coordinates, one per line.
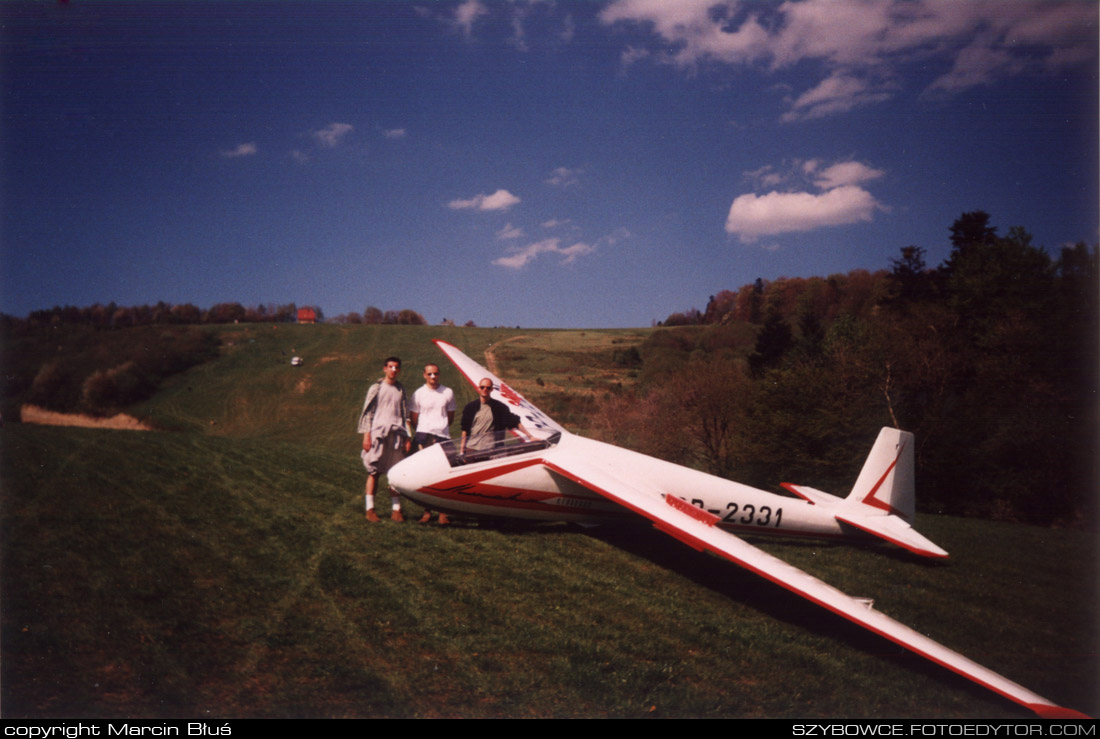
(813, 495)
(895, 531)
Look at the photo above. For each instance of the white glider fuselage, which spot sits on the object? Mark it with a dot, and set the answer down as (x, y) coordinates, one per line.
(520, 486)
(531, 480)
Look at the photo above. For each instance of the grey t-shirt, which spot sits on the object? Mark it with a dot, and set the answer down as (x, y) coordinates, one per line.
(387, 411)
(481, 436)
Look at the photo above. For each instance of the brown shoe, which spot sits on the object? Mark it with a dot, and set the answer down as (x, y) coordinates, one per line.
(443, 520)
(397, 517)
(372, 516)
(426, 518)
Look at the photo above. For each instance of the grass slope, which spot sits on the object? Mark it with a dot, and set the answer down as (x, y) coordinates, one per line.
(224, 570)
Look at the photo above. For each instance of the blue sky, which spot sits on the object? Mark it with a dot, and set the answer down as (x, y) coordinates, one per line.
(542, 164)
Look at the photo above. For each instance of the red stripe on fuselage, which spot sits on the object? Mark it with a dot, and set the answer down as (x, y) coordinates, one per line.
(473, 488)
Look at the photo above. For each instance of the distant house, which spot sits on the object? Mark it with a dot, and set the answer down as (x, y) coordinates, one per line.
(307, 315)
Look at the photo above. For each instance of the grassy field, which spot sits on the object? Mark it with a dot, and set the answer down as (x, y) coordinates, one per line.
(222, 568)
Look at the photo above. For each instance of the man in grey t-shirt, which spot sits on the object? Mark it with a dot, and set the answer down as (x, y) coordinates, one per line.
(485, 420)
(386, 434)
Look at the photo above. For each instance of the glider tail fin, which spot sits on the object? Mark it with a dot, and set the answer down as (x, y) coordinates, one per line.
(887, 480)
(883, 501)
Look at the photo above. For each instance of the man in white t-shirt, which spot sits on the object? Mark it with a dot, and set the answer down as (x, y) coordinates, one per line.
(432, 410)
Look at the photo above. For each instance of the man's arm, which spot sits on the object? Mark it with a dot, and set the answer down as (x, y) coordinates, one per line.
(366, 416)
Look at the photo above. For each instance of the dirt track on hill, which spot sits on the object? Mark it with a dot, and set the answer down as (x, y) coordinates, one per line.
(34, 414)
(490, 357)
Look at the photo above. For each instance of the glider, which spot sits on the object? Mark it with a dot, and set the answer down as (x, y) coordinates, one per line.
(564, 477)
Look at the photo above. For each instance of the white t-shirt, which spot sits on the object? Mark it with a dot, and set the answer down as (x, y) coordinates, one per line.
(433, 407)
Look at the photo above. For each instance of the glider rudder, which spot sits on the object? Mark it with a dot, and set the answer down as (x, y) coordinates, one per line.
(886, 481)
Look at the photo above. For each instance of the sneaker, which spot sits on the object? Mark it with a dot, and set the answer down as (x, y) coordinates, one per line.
(443, 520)
(372, 516)
(397, 517)
(426, 518)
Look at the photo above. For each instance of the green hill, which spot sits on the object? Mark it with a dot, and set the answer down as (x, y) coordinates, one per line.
(222, 568)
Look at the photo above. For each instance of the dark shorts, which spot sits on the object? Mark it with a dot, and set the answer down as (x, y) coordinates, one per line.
(422, 440)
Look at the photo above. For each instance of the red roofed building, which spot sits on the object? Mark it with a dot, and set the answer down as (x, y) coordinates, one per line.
(307, 315)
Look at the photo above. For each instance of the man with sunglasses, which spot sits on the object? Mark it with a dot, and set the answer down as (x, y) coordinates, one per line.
(386, 438)
(432, 409)
(485, 420)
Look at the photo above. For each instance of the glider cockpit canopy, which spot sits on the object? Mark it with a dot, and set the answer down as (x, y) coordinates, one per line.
(509, 446)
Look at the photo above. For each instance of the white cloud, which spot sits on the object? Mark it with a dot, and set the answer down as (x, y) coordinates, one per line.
(837, 93)
(861, 47)
(799, 174)
(632, 55)
(555, 222)
(752, 216)
(521, 257)
(696, 29)
(519, 35)
(332, 134)
(845, 173)
(564, 177)
(766, 176)
(616, 236)
(394, 133)
(299, 156)
(574, 251)
(499, 200)
(242, 150)
(466, 14)
(569, 29)
(509, 232)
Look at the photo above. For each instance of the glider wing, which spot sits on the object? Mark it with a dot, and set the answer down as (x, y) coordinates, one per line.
(696, 528)
(533, 419)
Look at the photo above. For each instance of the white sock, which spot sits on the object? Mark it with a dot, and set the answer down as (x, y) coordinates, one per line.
(370, 502)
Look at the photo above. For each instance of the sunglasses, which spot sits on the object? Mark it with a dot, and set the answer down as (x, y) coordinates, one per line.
(485, 387)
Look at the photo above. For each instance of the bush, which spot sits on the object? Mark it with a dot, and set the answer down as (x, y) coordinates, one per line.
(105, 391)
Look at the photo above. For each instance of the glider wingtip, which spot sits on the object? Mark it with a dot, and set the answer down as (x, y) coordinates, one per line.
(920, 551)
(1049, 710)
(930, 553)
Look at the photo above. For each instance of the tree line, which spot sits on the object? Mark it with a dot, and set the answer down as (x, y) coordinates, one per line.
(990, 358)
(376, 316)
(112, 315)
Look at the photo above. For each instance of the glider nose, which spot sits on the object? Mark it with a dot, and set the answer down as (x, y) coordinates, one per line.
(419, 470)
